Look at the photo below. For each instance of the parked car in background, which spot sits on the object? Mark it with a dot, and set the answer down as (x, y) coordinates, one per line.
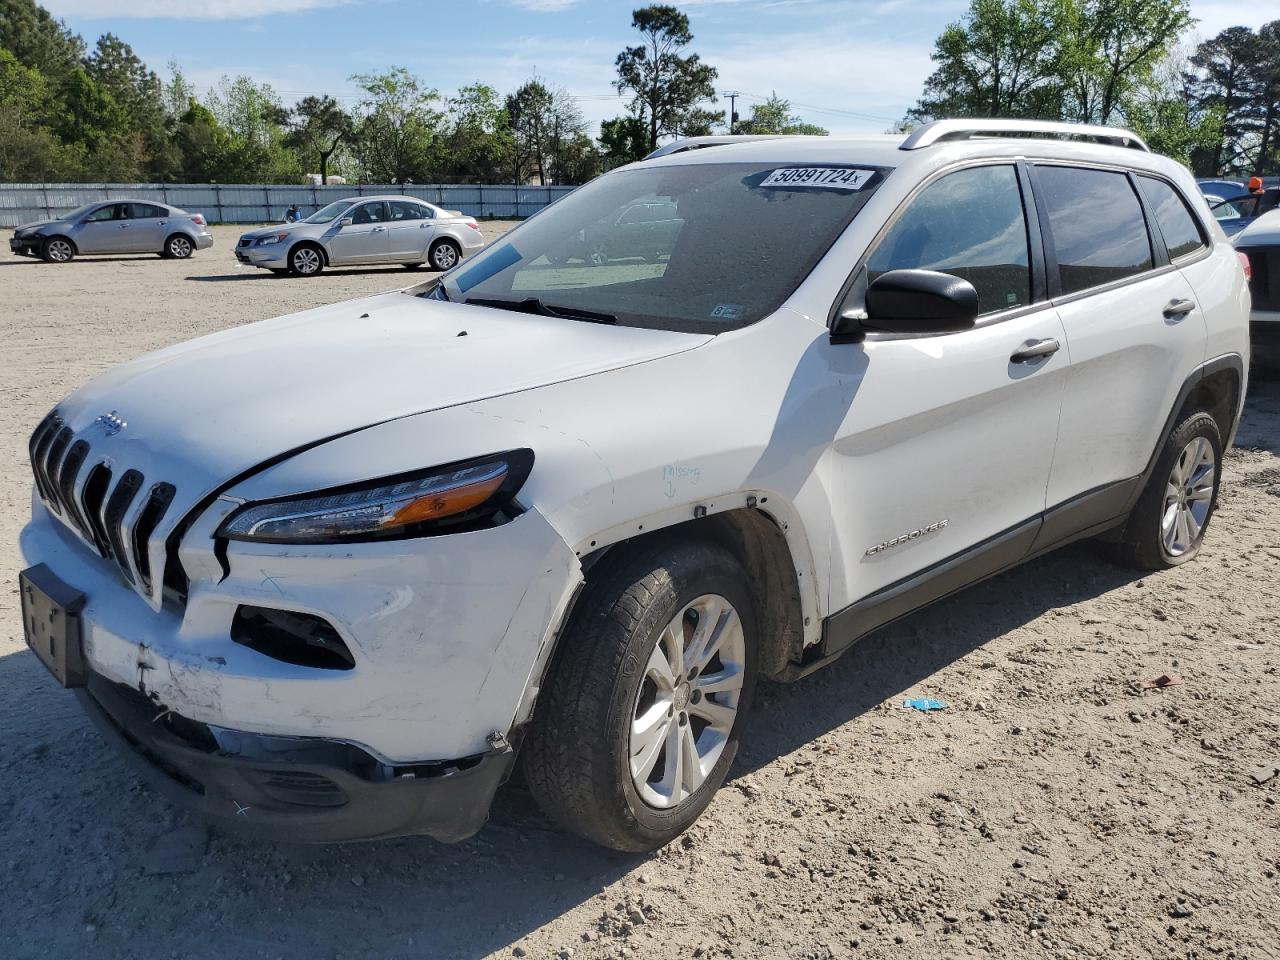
(114, 226)
(1260, 244)
(1236, 213)
(360, 231)
(1221, 189)
(325, 578)
(643, 231)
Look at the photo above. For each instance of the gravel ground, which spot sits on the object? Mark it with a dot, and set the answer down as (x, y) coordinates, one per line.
(1051, 811)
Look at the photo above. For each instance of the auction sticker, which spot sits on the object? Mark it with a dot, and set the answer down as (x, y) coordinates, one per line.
(825, 178)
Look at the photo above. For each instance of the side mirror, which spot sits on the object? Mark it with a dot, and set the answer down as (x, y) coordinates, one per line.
(344, 222)
(920, 301)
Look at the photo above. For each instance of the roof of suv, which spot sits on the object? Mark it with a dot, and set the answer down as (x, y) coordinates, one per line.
(952, 145)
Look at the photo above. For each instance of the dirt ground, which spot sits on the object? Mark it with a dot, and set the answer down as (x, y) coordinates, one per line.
(1051, 810)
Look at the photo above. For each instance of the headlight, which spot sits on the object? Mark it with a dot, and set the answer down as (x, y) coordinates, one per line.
(274, 238)
(438, 500)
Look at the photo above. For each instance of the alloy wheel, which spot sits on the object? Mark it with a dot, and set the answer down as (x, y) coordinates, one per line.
(180, 248)
(1188, 496)
(306, 261)
(444, 256)
(687, 702)
(60, 251)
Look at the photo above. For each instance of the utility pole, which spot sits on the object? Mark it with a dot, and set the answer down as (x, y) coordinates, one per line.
(733, 96)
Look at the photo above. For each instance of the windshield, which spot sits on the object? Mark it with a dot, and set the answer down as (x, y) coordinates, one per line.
(328, 213)
(697, 248)
(80, 212)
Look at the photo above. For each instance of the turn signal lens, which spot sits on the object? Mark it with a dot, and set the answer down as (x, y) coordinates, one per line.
(396, 507)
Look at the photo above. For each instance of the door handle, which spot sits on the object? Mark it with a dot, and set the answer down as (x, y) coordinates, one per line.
(377, 230)
(1035, 351)
(1178, 308)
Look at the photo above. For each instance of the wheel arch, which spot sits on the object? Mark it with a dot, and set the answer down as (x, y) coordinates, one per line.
(308, 242)
(61, 236)
(1218, 392)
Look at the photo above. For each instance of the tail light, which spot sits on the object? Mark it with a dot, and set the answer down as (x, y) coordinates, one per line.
(1244, 262)
(473, 225)
(198, 218)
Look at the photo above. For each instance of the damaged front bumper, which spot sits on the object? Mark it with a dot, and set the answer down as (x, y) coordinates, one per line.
(293, 790)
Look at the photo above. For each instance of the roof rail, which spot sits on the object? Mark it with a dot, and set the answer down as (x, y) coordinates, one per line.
(697, 143)
(942, 130)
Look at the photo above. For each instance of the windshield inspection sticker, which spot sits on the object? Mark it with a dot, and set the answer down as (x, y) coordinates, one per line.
(825, 178)
(727, 311)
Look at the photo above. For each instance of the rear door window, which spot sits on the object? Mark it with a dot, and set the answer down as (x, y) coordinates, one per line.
(1097, 226)
(403, 210)
(971, 225)
(145, 211)
(1178, 226)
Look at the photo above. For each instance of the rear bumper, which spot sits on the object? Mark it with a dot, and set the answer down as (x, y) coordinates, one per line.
(293, 789)
(203, 241)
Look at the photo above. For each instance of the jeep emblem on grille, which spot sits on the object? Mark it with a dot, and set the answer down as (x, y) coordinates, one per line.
(111, 422)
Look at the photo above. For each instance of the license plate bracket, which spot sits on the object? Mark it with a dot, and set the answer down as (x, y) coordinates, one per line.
(51, 622)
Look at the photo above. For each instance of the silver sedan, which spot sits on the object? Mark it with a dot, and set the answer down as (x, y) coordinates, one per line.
(114, 226)
(364, 230)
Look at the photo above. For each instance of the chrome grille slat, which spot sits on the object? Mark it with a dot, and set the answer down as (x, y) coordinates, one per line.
(113, 510)
(66, 483)
(52, 462)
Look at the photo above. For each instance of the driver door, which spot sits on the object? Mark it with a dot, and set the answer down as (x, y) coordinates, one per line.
(101, 231)
(364, 239)
(940, 465)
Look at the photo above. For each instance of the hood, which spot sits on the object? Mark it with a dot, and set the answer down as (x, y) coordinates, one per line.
(36, 223)
(1262, 232)
(276, 228)
(202, 412)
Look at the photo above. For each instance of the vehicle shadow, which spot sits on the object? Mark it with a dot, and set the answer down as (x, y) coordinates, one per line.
(80, 259)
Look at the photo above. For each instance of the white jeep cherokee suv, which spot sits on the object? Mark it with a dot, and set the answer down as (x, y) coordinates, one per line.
(326, 576)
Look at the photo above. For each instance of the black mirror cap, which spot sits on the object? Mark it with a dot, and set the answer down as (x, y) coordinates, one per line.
(920, 301)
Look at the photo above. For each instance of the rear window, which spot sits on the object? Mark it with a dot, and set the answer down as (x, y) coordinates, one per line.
(1097, 226)
(1177, 224)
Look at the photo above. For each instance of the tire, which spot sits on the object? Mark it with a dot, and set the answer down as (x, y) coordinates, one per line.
(578, 757)
(57, 250)
(306, 260)
(178, 247)
(1169, 521)
(444, 255)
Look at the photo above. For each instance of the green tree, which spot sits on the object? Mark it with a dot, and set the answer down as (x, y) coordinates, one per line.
(623, 140)
(120, 72)
(667, 87)
(254, 119)
(38, 41)
(477, 144)
(29, 152)
(1106, 48)
(1222, 79)
(999, 60)
(1160, 111)
(319, 128)
(774, 117)
(395, 137)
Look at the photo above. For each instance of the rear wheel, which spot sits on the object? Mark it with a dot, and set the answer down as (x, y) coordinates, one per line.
(178, 247)
(306, 260)
(1168, 524)
(57, 250)
(444, 254)
(641, 716)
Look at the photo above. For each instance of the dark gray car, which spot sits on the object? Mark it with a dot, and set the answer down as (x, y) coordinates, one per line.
(114, 226)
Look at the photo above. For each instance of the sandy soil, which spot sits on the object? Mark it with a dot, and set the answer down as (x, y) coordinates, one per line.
(1051, 810)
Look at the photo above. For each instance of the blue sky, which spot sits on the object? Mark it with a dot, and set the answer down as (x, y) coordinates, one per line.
(850, 65)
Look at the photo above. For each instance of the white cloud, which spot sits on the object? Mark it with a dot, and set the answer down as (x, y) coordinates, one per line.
(544, 6)
(182, 9)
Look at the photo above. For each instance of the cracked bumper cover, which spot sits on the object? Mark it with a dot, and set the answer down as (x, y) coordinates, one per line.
(293, 790)
(448, 635)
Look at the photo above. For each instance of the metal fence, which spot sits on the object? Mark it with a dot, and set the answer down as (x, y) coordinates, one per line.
(264, 203)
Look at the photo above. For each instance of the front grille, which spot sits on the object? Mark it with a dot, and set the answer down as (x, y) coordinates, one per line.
(82, 489)
(1265, 285)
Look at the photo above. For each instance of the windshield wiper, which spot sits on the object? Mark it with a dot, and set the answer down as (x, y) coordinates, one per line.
(535, 306)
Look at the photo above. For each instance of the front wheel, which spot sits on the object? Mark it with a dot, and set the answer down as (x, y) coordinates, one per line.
(444, 254)
(644, 706)
(305, 260)
(57, 250)
(1168, 524)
